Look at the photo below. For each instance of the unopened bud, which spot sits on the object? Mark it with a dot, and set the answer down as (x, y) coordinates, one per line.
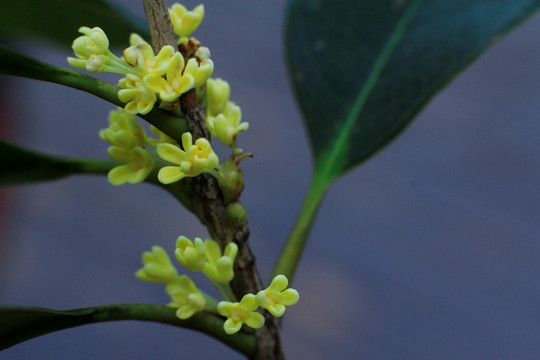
(236, 212)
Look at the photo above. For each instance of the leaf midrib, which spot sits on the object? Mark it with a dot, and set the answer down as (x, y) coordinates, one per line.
(329, 167)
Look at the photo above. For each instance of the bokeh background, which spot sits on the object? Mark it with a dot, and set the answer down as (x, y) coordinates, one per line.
(430, 250)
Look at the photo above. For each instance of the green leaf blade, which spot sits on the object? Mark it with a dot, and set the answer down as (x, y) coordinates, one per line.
(58, 20)
(19, 165)
(362, 70)
(17, 64)
(18, 324)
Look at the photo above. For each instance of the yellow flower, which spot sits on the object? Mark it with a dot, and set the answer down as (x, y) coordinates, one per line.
(95, 64)
(240, 313)
(191, 256)
(217, 95)
(127, 138)
(192, 161)
(219, 268)
(141, 56)
(276, 296)
(157, 267)
(134, 39)
(185, 22)
(93, 54)
(200, 72)
(202, 53)
(227, 125)
(186, 297)
(176, 84)
(223, 117)
(138, 98)
(124, 131)
(139, 165)
(93, 42)
(90, 49)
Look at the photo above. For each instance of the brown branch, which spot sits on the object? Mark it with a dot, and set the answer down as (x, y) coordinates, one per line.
(195, 115)
(159, 22)
(209, 207)
(207, 200)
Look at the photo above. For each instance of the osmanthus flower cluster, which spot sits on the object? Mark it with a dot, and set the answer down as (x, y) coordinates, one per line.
(157, 267)
(223, 117)
(206, 257)
(192, 161)
(162, 78)
(129, 145)
(185, 22)
(148, 76)
(274, 299)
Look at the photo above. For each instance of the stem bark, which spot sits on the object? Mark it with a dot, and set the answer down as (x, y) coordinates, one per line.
(207, 200)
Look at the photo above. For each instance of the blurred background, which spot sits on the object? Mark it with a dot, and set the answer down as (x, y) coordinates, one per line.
(430, 250)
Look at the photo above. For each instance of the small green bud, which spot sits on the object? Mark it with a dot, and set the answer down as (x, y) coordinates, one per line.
(236, 212)
(231, 181)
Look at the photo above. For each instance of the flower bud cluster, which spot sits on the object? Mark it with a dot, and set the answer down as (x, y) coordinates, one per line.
(127, 139)
(223, 120)
(206, 256)
(157, 267)
(129, 145)
(192, 161)
(128, 142)
(197, 158)
(223, 117)
(164, 77)
(185, 22)
(148, 76)
(274, 299)
(195, 256)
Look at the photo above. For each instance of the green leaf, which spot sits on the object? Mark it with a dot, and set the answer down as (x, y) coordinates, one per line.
(16, 64)
(20, 165)
(363, 69)
(18, 324)
(59, 20)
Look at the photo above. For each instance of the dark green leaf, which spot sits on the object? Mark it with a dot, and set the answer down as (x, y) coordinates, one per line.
(59, 20)
(16, 64)
(19, 165)
(18, 324)
(363, 69)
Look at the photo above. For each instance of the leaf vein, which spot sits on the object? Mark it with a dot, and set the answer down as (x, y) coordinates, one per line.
(332, 164)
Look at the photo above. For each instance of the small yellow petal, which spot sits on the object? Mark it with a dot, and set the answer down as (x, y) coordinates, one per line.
(206, 68)
(119, 175)
(155, 82)
(171, 153)
(170, 174)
